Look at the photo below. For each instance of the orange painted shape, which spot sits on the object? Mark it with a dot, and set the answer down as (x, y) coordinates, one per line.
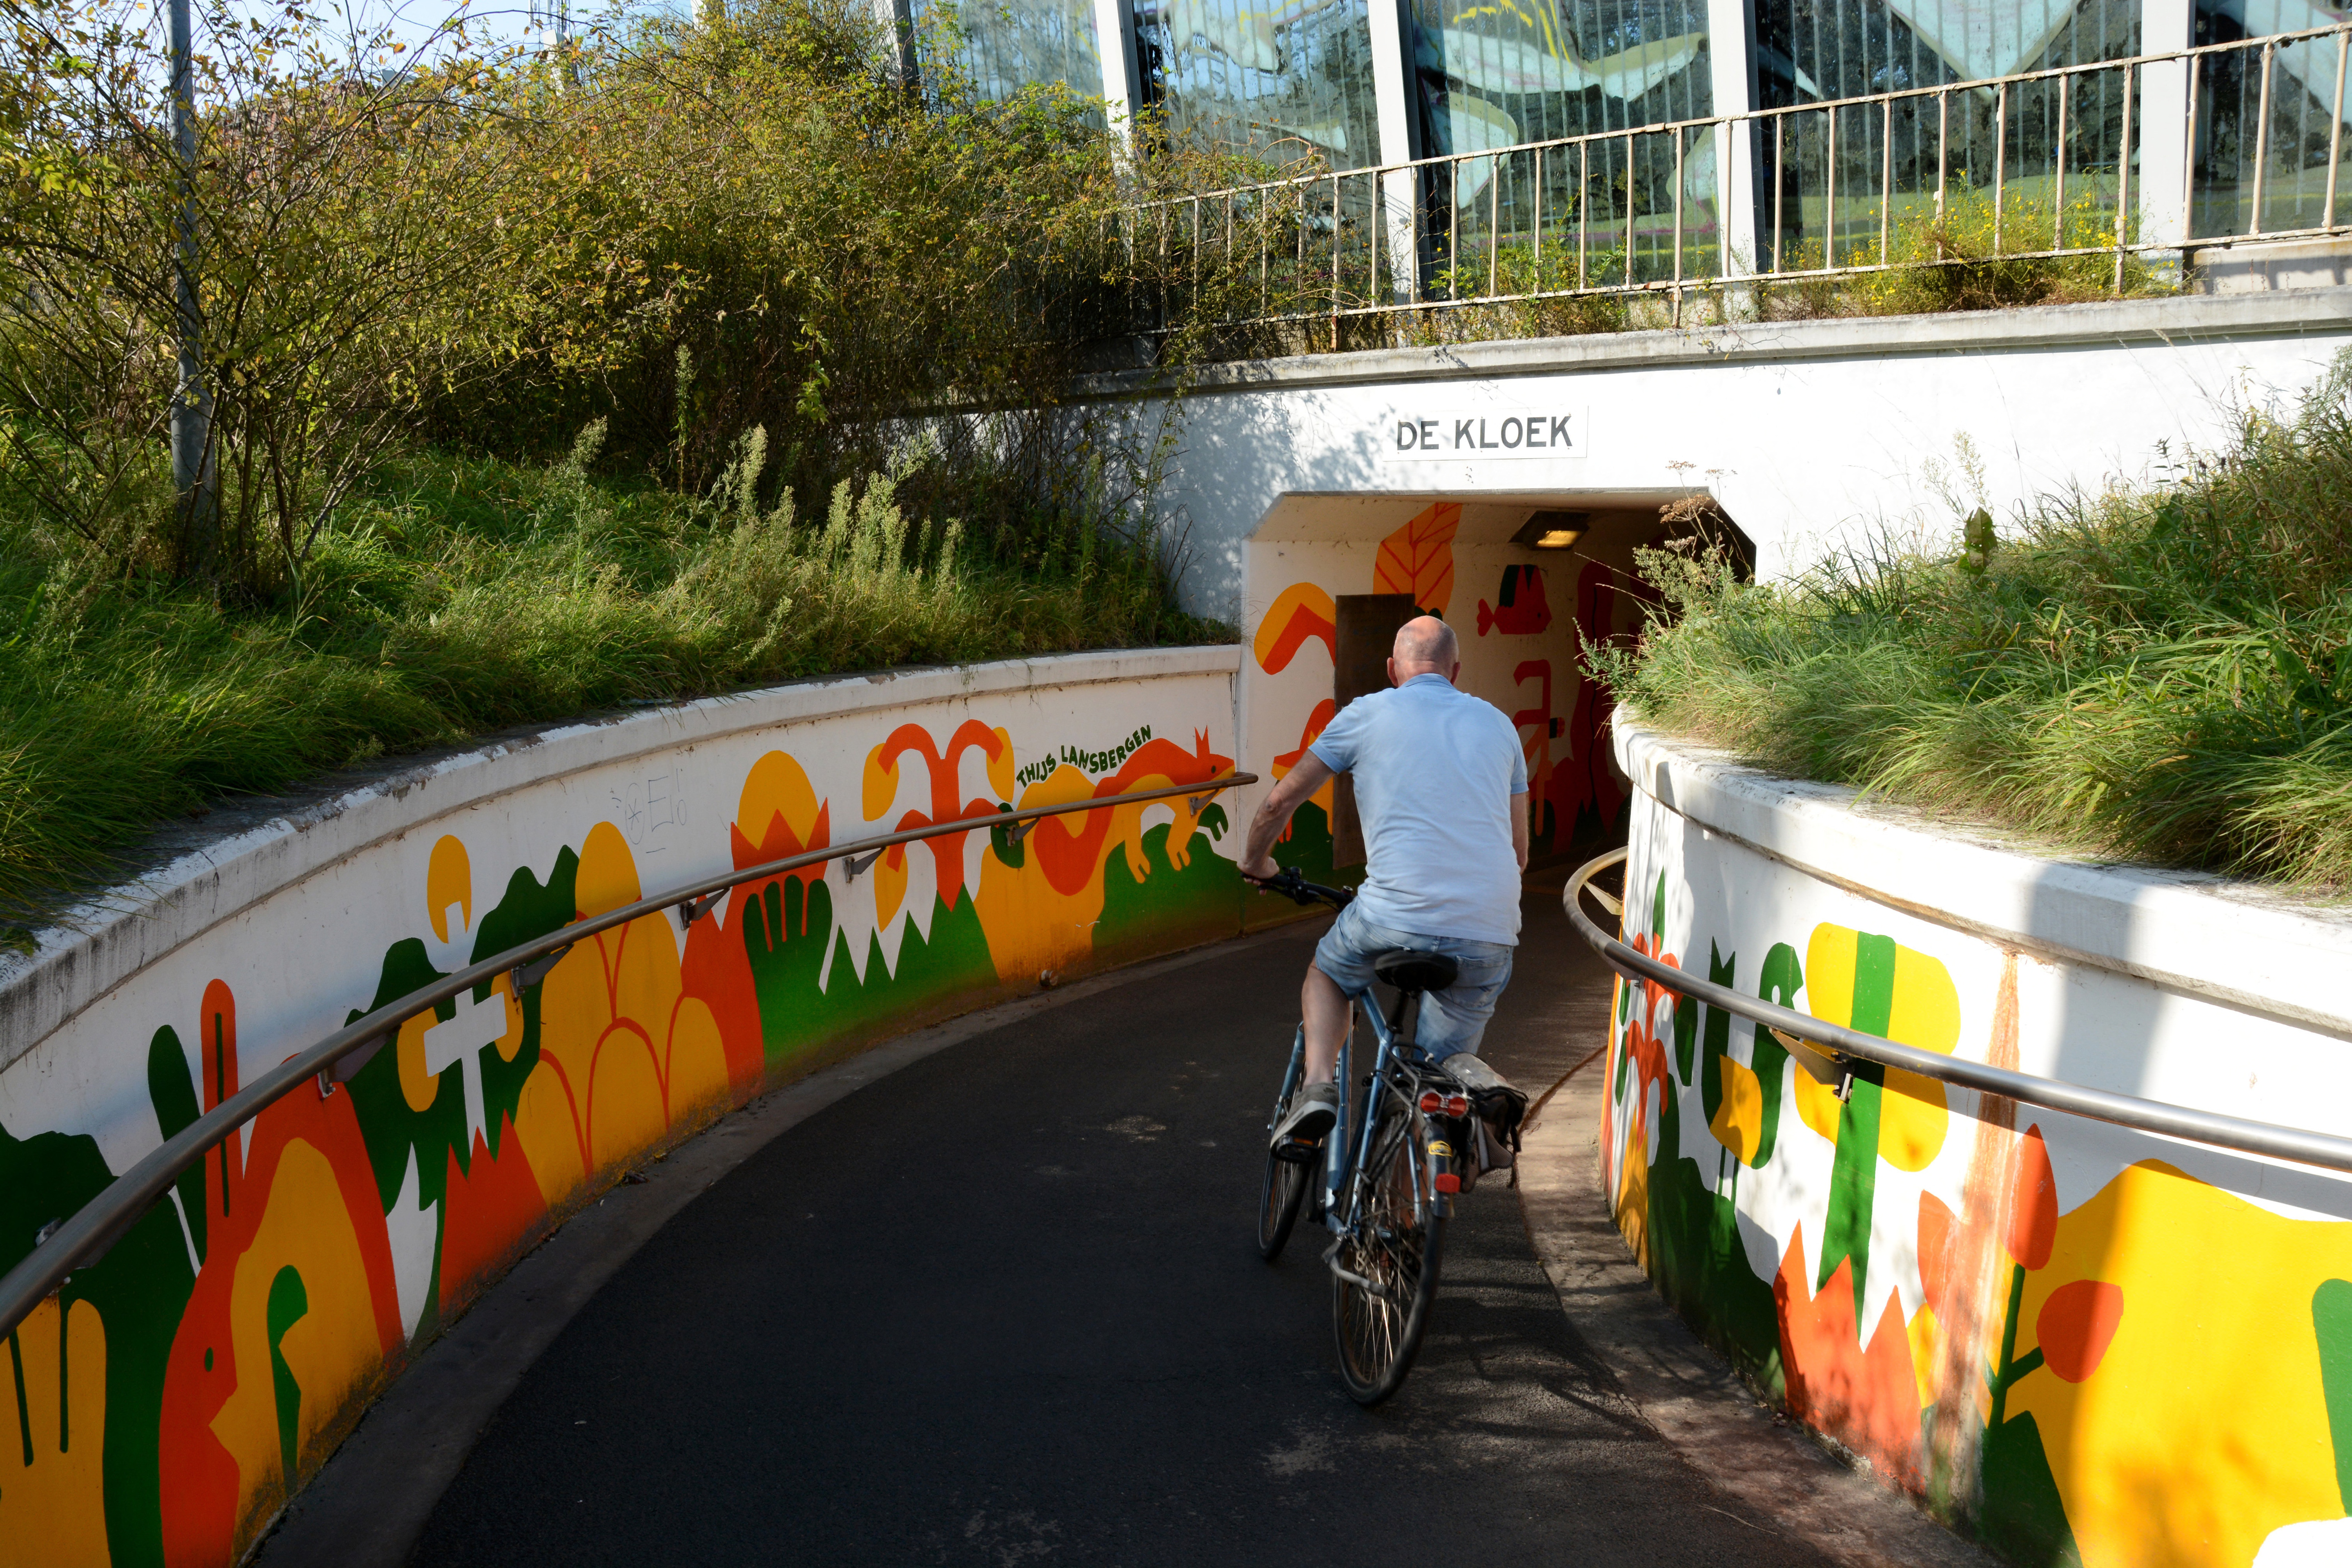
(1299, 614)
(1937, 1227)
(2033, 1214)
(2076, 1325)
(491, 1208)
(1866, 1397)
(1418, 559)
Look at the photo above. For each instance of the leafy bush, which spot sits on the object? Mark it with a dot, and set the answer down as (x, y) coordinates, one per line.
(2163, 677)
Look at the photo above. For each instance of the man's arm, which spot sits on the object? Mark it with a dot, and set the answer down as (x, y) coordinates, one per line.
(1274, 816)
(1519, 828)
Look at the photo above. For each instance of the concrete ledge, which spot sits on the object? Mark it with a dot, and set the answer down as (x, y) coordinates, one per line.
(2242, 945)
(2205, 316)
(108, 939)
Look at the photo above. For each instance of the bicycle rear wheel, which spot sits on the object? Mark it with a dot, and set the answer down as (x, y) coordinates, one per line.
(1384, 1281)
(1278, 1202)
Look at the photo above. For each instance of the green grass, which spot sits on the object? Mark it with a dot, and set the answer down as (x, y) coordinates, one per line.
(2163, 678)
(458, 595)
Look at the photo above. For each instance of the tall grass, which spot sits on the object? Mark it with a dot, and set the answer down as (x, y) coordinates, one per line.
(457, 594)
(2162, 676)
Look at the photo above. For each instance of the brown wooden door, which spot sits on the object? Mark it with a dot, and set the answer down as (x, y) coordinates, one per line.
(1367, 632)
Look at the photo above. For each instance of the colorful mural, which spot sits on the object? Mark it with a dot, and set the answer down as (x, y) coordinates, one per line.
(175, 1393)
(2059, 1337)
(1517, 653)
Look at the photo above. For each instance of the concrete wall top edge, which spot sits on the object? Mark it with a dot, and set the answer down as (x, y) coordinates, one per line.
(107, 939)
(2194, 316)
(2233, 943)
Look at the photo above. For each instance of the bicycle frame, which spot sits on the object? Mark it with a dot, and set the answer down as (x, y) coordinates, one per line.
(1344, 1168)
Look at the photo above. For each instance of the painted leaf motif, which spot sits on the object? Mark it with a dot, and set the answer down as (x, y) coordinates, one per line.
(1418, 559)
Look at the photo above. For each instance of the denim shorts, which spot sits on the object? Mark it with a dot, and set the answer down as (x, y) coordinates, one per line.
(1452, 1020)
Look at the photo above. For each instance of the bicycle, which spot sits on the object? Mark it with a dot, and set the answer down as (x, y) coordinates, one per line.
(1387, 1193)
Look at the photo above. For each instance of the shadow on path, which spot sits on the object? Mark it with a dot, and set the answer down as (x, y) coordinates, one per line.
(1003, 1308)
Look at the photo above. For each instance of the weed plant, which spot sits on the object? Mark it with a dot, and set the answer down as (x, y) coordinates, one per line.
(2162, 676)
(457, 594)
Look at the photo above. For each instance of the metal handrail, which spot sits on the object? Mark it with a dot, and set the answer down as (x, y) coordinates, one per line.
(1836, 1056)
(100, 1223)
(1392, 226)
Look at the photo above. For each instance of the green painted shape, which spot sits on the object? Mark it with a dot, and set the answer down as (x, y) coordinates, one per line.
(1722, 970)
(1767, 1059)
(1853, 1174)
(171, 1086)
(528, 908)
(288, 1302)
(139, 1287)
(1686, 1029)
(786, 932)
(1658, 910)
(1009, 852)
(2021, 1514)
(2331, 1322)
(390, 1128)
(1168, 908)
(1700, 1265)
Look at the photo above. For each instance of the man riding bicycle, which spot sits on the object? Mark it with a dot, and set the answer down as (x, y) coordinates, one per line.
(1441, 788)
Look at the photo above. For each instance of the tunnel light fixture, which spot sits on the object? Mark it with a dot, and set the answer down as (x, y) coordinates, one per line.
(1553, 530)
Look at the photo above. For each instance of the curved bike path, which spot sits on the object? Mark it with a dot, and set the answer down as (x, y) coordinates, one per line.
(1003, 1308)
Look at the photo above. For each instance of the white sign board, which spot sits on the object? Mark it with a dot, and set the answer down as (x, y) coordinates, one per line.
(1499, 431)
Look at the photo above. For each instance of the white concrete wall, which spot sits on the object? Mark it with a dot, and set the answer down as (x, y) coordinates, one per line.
(2059, 1330)
(1807, 432)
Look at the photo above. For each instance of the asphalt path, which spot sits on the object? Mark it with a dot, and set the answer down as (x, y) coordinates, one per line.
(1004, 1308)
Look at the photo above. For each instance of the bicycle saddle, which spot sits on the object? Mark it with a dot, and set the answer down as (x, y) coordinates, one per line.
(1410, 970)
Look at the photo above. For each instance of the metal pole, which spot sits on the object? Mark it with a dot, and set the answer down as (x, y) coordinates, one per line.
(1943, 160)
(2123, 180)
(2262, 144)
(2335, 131)
(1829, 197)
(1629, 212)
(1583, 206)
(2000, 159)
(1886, 176)
(2058, 191)
(192, 473)
(1780, 182)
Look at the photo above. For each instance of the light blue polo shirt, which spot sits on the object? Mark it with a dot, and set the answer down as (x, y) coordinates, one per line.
(1434, 771)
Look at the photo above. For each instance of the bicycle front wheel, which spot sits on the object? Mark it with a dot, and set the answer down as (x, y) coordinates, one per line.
(1384, 1278)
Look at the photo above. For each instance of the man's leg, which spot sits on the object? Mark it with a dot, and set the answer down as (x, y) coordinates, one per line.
(1324, 1006)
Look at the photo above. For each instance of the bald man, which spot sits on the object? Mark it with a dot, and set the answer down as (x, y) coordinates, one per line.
(1442, 791)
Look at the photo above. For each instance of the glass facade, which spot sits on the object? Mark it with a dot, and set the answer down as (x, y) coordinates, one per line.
(1287, 80)
(1008, 44)
(2291, 145)
(1985, 164)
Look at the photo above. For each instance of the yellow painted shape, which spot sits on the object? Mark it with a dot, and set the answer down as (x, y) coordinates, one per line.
(448, 880)
(331, 1349)
(1297, 596)
(607, 877)
(1634, 1181)
(623, 1054)
(879, 785)
(416, 1086)
(1926, 1338)
(1002, 773)
(1817, 1103)
(1830, 956)
(502, 989)
(889, 885)
(1914, 1114)
(2204, 1427)
(1738, 1124)
(1029, 924)
(776, 787)
(53, 1510)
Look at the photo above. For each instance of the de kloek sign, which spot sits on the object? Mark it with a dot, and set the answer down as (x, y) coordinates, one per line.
(1485, 434)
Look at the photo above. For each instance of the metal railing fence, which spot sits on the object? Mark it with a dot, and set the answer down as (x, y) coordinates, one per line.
(2039, 165)
(1837, 1055)
(84, 1238)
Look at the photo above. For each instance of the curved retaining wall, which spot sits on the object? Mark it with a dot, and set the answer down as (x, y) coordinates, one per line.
(2077, 1342)
(168, 1401)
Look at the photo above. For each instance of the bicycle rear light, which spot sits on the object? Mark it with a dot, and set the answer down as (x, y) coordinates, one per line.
(1447, 1182)
(1435, 1104)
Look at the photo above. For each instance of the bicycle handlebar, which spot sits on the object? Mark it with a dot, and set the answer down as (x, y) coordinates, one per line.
(1300, 891)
